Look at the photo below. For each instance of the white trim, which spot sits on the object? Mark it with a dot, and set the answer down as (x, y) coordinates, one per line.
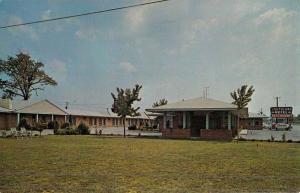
(229, 121)
(184, 120)
(18, 118)
(207, 121)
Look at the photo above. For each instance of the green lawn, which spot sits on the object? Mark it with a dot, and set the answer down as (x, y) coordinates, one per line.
(95, 164)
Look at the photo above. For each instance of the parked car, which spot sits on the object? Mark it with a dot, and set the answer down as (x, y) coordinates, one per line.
(282, 126)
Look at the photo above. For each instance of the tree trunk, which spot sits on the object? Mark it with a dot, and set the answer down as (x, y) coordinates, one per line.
(124, 134)
(238, 123)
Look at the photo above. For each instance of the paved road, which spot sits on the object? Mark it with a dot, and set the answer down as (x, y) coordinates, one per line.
(293, 135)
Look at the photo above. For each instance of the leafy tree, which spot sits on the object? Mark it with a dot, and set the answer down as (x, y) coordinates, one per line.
(21, 75)
(123, 102)
(242, 96)
(160, 103)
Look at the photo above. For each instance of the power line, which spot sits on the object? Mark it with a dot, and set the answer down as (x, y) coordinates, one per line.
(82, 14)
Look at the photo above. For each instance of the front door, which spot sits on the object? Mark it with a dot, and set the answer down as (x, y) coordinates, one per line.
(197, 123)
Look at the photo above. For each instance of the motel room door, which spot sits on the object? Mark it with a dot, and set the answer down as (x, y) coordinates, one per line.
(197, 123)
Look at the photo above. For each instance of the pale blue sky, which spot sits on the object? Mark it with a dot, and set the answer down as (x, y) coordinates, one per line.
(173, 49)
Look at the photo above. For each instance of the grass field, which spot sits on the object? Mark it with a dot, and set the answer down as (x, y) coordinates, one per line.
(94, 164)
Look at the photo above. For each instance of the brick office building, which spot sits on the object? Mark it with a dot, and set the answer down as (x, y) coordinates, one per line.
(253, 121)
(198, 118)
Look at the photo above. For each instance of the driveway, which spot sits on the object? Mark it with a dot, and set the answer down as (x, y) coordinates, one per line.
(293, 135)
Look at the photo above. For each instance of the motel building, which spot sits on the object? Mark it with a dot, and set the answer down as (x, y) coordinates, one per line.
(199, 118)
(44, 111)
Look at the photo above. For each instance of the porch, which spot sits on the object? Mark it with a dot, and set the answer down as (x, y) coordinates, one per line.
(199, 124)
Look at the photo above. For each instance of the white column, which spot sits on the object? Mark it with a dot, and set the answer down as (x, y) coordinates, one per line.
(18, 118)
(207, 121)
(37, 118)
(65, 118)
(184, 120)
(52, 117)
(229, 121)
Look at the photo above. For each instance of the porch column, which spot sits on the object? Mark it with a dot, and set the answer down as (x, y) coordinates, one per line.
(65, 118)
(37, 118)
(18, 118)
(229, 121)
(52, 117)
(207, 121)
(184, 120)
(165, 120)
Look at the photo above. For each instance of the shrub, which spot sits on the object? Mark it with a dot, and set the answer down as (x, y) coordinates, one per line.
(82, 129)
(53, 125)
(65, 125)
(132, 127)
(39, 127)
(23, 123)
(61, 132)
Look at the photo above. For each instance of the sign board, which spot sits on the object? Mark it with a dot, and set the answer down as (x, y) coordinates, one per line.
(281, 112)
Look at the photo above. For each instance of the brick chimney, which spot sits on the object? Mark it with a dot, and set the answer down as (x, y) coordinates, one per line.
(6, 103)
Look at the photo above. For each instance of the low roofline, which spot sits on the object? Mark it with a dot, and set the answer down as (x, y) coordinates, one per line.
(46, 100)
(191, 109)
(57, 106)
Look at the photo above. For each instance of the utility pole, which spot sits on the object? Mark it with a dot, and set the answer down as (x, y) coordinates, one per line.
(277, 99)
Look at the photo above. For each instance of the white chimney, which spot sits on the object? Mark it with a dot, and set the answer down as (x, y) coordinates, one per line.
(6, 103)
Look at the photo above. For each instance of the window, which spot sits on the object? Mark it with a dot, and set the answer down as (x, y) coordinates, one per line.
(91, 121)
(180, 120)
(256, 123)
(104, 121)
(95, 121)
(169, 121)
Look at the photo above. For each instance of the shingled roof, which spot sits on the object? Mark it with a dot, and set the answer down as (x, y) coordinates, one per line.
(195, 104)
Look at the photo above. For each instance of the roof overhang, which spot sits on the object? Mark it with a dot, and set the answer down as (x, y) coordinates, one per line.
(190, 109)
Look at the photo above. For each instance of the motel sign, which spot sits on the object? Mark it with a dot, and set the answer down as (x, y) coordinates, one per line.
(281, 112)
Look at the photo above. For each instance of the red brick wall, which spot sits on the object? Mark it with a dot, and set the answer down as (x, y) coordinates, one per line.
(216, 134)
(176, 133)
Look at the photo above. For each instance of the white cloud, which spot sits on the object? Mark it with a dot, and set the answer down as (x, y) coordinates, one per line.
(21, 30)
(275, 16)
(278, 24)
(89, 34)
(197, 29)
(128, 67)
(58, 69)
(46, 14)
(135, 18)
